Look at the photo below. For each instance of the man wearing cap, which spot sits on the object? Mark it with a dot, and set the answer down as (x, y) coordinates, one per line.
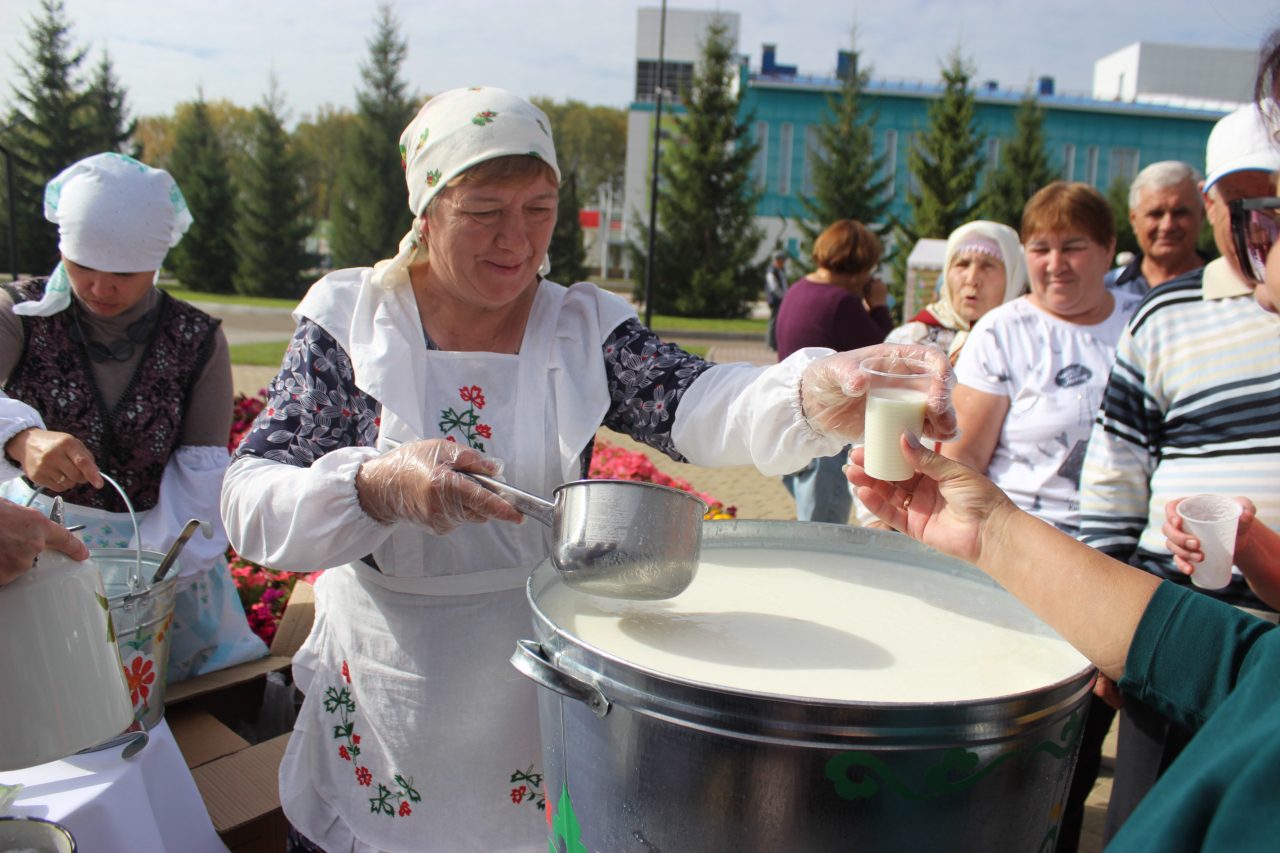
(1188, 409)
(1166, 211)
(775, 287)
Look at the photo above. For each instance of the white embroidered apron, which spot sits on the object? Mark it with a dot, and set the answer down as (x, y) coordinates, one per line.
(416, 733)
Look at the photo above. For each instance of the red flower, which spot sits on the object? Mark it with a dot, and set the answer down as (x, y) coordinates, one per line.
(346, 673)
(484, 430)
(473, 395)
(517, 794)
(363, 776)
(355, 739)
(405, 811)
(450, 438)
(140, 674)
(342, 750)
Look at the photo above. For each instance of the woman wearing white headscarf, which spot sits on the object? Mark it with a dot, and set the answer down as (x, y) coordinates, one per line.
(984, 268)
(416, 733)
(105, 374)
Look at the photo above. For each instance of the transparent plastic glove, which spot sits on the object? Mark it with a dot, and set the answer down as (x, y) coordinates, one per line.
(833, 391)
(419, 482)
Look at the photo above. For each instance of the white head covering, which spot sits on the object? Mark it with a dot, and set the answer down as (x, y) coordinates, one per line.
(114, 214)
(991, 238)
(452, 132)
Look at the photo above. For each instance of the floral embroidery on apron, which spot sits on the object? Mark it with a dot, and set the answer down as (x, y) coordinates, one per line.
(531, 792)
(466, 422)
(339, 701)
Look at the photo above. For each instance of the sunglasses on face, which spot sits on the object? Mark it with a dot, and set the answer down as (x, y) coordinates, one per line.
(1255, 225)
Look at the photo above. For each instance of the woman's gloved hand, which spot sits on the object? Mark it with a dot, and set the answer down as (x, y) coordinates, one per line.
(419, 482)
(55, 460)
(833, 391)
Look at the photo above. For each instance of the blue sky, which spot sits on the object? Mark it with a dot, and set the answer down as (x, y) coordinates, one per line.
(585, 49)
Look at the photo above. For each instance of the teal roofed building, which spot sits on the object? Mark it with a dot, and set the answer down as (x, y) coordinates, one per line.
(1095, 141)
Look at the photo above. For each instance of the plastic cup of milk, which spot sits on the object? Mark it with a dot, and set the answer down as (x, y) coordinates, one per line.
(1212, 519)
(897, 390)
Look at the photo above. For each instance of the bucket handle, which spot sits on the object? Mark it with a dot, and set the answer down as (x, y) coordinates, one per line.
(530, 660)
(135, 577)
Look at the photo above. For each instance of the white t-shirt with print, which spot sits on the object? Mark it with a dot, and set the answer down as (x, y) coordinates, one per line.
(1054, 374)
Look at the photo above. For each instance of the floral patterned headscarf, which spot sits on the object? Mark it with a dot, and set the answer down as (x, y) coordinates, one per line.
(114, 214)
(452, 132)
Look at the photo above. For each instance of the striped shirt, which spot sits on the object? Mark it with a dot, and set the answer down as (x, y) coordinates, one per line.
(1192, 406)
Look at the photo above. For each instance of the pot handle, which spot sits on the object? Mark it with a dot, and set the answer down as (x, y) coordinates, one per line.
(530, 505)
(531, 661)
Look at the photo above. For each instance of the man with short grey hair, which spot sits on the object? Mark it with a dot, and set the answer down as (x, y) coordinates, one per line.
(1166, 212)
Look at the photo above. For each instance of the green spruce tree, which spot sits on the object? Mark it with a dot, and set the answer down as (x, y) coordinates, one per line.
(271, 221)
(205, 259)
(568, 257)
(706, 233)
(1118, 198)
(849, 181)
(46, 133)
(107, 115)
(369, 213)
(946, 158)
(1023, 168)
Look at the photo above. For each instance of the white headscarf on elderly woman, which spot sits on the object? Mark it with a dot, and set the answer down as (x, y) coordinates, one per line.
(113, 214)
(451, 133)
(991, 238)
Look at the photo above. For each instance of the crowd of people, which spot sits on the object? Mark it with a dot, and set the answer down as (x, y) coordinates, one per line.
(1087, 402)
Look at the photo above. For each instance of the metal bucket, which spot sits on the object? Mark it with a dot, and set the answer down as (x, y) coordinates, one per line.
(638, 760)
(143, 622)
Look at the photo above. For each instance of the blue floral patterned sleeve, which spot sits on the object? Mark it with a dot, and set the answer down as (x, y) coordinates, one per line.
(647, 377)
(313, 404)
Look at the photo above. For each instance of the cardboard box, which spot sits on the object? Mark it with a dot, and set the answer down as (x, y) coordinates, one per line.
(209, 715)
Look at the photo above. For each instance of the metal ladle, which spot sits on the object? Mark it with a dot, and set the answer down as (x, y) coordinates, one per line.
(616, 538)
(171, 555)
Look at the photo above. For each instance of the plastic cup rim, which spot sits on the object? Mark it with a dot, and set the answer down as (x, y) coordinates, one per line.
(1219, 500)
(925, 369)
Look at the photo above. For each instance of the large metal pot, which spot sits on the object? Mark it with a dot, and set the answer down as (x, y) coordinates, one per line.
(638, 760)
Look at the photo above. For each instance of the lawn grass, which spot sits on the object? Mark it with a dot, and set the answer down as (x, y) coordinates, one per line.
(226, 298)
(263, 354)
(744, 325)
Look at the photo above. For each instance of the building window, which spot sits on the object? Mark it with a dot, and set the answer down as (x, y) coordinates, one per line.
(762, 153)
(812, 151)
(1069, 161)
(677, 79)
(1091, 166)
(891, 158)
(1124, 165)
(993, 153)
(784, 158)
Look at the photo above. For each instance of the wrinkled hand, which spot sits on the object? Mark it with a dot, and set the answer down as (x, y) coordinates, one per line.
(24, 533)
(419, 482)
(947, 506)
(833, 391)
(1185, 547)
(54, 460)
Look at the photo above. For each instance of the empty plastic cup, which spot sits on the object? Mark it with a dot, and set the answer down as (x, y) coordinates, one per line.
(1212, 519)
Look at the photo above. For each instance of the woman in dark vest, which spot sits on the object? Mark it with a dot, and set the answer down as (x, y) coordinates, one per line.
(104, 374)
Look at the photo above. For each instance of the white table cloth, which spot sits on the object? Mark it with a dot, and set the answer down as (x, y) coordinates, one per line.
(146, 803)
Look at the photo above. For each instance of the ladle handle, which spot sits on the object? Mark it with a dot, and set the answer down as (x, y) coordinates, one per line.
(531, 505)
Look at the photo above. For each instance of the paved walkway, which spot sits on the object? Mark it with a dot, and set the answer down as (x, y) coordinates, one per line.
(753, 494)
